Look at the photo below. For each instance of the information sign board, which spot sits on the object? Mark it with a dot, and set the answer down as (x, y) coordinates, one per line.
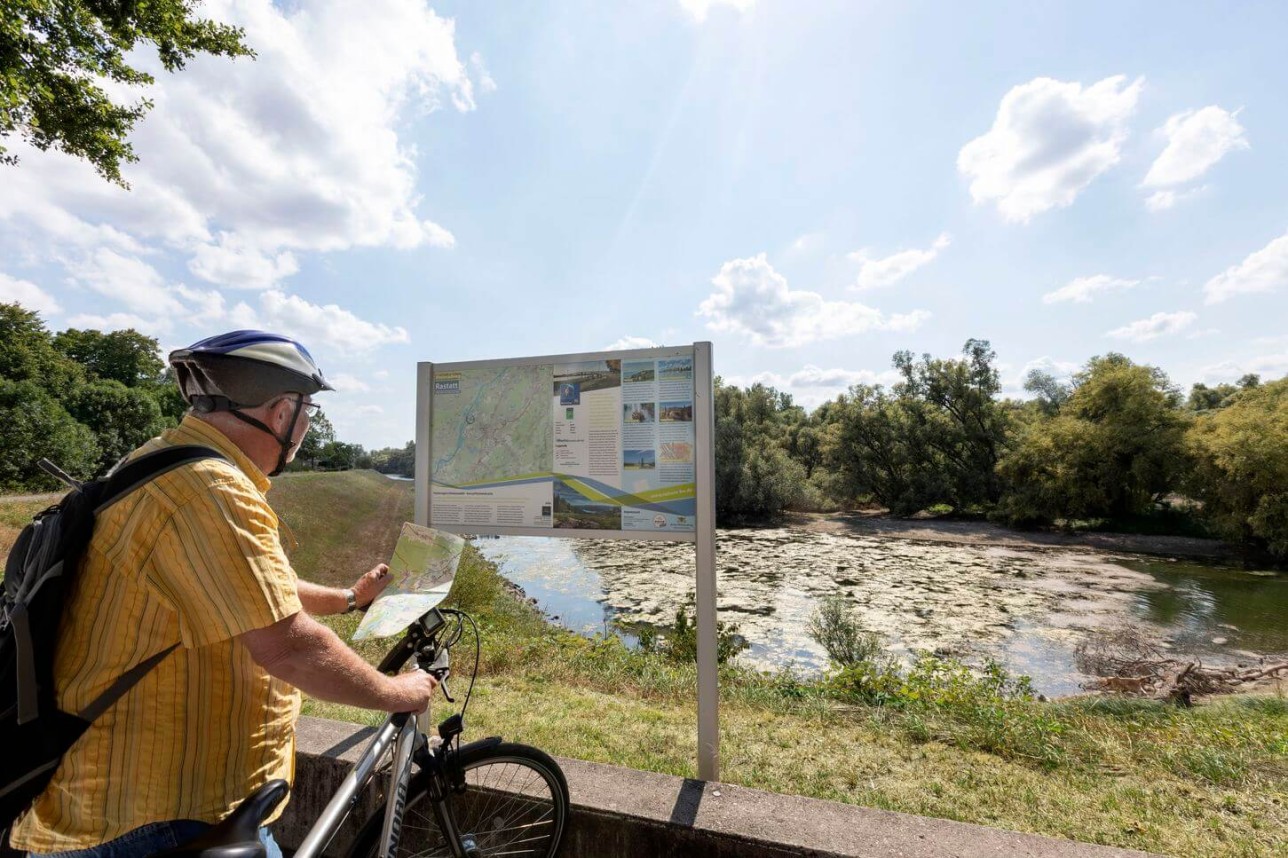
(604, 443)
(612, 445)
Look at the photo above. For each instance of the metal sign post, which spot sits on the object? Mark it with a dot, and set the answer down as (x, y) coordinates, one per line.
(492, 479)
(704, 409)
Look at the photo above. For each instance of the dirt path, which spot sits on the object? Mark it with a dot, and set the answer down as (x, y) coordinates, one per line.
(49, 497)
(987, 533)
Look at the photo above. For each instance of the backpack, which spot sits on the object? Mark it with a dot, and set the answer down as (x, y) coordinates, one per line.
(37, 580)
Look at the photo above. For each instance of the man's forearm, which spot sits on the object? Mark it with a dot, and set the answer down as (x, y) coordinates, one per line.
(321, 601)
(316, 661)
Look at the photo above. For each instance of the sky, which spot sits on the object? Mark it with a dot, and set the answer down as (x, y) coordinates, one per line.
(811, 186)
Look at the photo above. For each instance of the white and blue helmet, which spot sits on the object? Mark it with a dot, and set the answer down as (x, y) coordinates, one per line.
(243, 369)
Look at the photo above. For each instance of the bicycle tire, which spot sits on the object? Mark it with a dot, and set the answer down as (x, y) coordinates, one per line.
(495, 819)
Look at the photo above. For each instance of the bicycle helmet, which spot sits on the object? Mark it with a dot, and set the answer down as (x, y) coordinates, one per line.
(245, 369)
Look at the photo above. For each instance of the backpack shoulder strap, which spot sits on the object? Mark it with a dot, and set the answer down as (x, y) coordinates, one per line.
(149, 466)
(124, 480)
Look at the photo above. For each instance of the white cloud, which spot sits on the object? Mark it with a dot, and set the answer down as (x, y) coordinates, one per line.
(875, 273)
(1163, 200)
(700, 8)
(368, 410)
(127, 279)
(1157, 325)
(346, 383)
(629, 342)
(1269, 367)
(1196, 140)
(1059, 369)
(811, 386)
(1082, 289)
(118, 322)
(324, 325)
(807, 242)
(754, 300)
(481, 74)
(1049, 141)
(233, 262)
(1263, 271)
(28, 294)
(380, 374)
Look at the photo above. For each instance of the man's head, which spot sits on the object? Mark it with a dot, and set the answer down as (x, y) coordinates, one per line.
(252, 379)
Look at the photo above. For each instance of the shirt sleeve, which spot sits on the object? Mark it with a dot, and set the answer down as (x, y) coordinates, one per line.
(219, 563)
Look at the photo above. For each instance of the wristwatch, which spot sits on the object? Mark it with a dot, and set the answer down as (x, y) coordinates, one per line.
(352, 598)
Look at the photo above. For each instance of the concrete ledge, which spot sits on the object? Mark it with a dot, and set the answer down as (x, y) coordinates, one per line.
(624, 813)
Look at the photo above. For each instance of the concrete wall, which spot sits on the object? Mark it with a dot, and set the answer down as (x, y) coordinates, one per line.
(625, 813)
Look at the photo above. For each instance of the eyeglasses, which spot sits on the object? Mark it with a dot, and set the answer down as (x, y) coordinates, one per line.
(310, 408)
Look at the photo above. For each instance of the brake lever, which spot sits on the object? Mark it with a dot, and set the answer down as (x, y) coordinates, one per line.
(442, 684)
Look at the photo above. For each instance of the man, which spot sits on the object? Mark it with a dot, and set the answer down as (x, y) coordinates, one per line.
(194, 558)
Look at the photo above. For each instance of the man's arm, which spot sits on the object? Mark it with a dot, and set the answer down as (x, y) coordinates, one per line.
(308, 655)
(321, 601)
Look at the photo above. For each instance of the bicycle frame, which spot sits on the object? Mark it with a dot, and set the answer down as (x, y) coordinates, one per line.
(399, 734)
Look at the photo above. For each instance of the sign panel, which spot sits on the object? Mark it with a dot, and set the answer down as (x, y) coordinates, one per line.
(597, 442)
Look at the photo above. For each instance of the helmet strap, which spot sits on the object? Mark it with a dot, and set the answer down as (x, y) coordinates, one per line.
(284, 443)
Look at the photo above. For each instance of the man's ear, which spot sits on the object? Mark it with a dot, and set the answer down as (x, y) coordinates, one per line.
(280, 415)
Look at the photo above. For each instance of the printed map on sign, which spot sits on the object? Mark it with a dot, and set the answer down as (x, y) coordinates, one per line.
(423, 568)
(491, 424)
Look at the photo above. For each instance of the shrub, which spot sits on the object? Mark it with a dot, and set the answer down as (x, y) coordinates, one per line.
(681, 644)
(835, 627)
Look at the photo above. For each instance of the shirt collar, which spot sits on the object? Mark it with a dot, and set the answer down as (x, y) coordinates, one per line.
(194, 430)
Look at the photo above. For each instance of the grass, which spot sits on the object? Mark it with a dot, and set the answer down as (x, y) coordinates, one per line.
(1208, 781)
(343, 522)
(14, 516)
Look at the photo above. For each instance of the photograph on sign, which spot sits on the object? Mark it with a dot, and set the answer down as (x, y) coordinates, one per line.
(585, 443)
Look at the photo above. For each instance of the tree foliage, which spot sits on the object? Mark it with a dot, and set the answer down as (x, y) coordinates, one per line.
(935, 438)
(121, 417)
(125, 356)
(755, 476)
(1240, 473)
(1115, 447)
(59, 57)
(33, 425)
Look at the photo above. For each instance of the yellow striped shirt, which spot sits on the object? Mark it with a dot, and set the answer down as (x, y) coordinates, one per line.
(193, 557)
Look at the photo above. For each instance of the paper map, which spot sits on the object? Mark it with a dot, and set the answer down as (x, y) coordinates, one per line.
(423, 568)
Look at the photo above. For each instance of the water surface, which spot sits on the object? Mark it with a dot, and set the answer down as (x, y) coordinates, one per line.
(1028, 608)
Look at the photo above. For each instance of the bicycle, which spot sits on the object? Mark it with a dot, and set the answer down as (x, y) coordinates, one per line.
(483, 798)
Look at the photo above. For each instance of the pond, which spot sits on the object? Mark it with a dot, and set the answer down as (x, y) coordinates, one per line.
(1028, 608)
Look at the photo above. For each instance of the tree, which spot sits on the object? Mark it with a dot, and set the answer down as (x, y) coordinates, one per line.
(1204, 398)
(57, 55)
(1115, 448)
(337, 455)
(1050, 394)
(959, 430)
(33, 425)
(121, 418)
(320, 433)
(1240, 472)
(755, 476)
(125, 356)
(27, 352)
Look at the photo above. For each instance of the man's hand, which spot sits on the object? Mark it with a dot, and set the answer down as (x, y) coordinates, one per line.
(411, 691)
(371, 584)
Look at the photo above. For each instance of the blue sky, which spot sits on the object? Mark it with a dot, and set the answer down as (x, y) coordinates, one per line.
(811, 186)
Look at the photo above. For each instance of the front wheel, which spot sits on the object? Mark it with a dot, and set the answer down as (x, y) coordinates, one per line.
(515, 803)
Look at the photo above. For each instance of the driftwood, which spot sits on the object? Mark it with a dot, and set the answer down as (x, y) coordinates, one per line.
(1125, 662)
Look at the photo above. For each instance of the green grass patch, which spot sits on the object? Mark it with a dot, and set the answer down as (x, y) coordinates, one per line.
(15, 515)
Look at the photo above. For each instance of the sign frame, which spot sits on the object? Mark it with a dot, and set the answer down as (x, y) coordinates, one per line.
(703, 534)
